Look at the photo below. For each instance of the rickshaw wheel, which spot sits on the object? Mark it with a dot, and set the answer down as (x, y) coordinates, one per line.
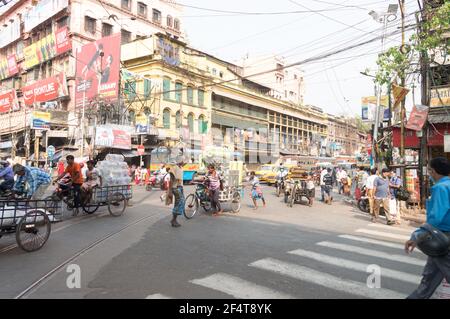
(33, 231)
(236, 203)
(117, 204)
(90, 208)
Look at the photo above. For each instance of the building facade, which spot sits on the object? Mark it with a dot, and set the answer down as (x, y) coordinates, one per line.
(208, 100)
(38, 45)
(344, 137)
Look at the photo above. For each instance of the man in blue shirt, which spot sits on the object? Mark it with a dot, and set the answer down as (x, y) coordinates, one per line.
(438, 215)
(7, 174)
(36, 179)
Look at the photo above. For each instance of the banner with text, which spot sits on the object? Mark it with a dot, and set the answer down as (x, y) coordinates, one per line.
(46, 90)
(8, 67)
(369, 106)
(47, 48)
(113, 136)
(8, 101)
(417, 118)
(97, 70)
(40, 120)
(440, 97)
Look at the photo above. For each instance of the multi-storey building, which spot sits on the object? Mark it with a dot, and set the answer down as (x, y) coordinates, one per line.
(344, 137)
(286, 84)
(38, 41)
(211, 100)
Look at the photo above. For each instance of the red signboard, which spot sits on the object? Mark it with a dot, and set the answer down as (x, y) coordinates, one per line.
(63, 43)
(46, 90)
(8, 101)
(411, 139)
(141, 149)
(8, 67)
(97, 71)
(417, 118)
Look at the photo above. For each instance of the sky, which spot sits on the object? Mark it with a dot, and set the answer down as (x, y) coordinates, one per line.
(335, 83)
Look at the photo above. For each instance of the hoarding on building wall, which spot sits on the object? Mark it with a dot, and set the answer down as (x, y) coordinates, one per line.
(8, 67)
(47, 48)
(141, 124)
(10, 33)
(45, 90)
(43, 10)
(40, 120)
(114, 136)
(369, 105)
(97, 70)
(417, 118)
(440, 97)
(8, 101)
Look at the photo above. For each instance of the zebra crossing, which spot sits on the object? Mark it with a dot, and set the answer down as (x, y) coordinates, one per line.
(323, 265)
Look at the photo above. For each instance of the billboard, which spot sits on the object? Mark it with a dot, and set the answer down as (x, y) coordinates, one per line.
(45, 90)
(43, 10)
(8, 67)
(47, 48)
(97, 70)
(417, 118)
(369, 105)
(440, 97)
(10, 33)
(141, 124)
(113, 136)
(40, 120)
(8, 101)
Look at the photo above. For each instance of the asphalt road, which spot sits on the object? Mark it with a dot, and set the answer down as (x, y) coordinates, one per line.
(274, 252)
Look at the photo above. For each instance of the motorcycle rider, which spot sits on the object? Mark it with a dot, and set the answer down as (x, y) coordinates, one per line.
(6, 172)
(281, 174)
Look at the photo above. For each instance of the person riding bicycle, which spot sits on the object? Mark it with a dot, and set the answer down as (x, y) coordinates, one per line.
(74, 169)
(7, 174)
(282, 173)
(37, 180)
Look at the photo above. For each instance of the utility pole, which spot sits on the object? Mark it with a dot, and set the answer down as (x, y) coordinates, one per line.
(402, 111)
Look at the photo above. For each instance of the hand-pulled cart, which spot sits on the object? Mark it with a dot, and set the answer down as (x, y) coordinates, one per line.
(296, 187)
(115, 197)
(29, 220)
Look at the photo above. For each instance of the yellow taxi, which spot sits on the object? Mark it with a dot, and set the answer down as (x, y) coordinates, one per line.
(271, 178)
(264, 171)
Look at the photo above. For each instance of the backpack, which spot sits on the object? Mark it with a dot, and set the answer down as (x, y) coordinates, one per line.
(328, 180)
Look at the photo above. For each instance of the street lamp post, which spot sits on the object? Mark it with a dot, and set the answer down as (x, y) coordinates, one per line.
(384, 18)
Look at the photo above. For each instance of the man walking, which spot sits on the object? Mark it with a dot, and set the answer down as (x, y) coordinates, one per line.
(369, 189)
(176, 188)
(328, 182)
(438, 216)
(322, 183)
(213, 181)
(382, 196)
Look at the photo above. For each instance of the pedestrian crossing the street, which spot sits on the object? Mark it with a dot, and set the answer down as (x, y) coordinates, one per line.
(340, 264)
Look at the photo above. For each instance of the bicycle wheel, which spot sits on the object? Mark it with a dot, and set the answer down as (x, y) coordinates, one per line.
(33, 230)
(52, 204)
(117, 204)
(191, 206)
(236, 203)
(90, 208)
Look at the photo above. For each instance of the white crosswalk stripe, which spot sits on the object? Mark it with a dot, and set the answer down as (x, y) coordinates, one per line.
(341, 262)
(382, 234)
(391, 228)
(372, 253)
(157, 296)
(372, 241)
(239, 288)
(323, 279)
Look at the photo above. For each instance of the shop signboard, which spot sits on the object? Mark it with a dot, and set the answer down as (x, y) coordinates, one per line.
(114, 136)
(40, 120)
(45, 90)
(8, 101)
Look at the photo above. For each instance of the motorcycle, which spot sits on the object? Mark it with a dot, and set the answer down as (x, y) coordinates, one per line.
(156, 180)
(279, 185)
(363, 202)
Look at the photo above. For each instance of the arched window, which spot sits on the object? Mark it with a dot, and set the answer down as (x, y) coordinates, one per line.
(178, 91)
(190, 95)
(178, 120)
(166, 118)
(190, 119)
(176, 24)
(169, 21)
(202, 125)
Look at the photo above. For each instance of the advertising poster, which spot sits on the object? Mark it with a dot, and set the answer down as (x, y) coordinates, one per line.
(40, 120)
(8, 67)
(45, 90)
(97, 70)
(113, 136)
(440, 97)
(369, 106)
(141, 124)
(47, 48)
(8, 101)
(417, 118)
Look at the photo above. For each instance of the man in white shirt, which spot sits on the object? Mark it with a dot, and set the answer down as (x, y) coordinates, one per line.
(370, 187)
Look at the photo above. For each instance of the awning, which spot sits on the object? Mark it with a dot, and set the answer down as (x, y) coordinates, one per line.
(231, 121)
(439, 118)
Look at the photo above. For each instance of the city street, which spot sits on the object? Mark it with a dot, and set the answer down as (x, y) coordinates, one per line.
(274, 252)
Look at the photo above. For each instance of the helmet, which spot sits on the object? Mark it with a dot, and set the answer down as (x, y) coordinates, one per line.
(433, 243)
